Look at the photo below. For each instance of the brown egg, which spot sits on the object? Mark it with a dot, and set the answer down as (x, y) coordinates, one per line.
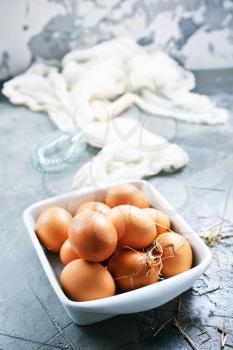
(67, 254)
(52, 227)
(126, 194)
(161, 220)
(177, 254)
(134, 227)
(92, 236)
(94, 206)
(82, 281)
(132, 269)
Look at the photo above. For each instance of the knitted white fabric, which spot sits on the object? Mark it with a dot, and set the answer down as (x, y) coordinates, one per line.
(101, 82)
(95, 85)
(129, 152)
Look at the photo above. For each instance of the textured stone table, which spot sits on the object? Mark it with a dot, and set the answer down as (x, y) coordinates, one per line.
(31, 316)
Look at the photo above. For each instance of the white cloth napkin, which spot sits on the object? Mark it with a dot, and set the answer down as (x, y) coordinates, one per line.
(93, 86)
(129, 152)
(101, 82)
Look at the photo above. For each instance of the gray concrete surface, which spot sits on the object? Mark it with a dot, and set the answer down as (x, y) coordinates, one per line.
(31, 316)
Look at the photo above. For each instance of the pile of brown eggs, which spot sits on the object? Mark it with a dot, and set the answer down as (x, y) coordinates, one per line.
(113, 247)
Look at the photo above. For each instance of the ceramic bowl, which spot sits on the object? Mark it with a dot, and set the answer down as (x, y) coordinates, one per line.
(142, 299)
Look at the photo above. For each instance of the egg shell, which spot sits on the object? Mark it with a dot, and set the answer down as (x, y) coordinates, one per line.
(134, 227)
(99, 207)
(132, 269)
(67, 254)
(177, 254)
(92, 236)
(52, 227)
(126, 194)
(162, 221)
(82, 281)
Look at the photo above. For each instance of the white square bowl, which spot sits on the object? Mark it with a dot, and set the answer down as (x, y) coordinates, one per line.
(142, 299)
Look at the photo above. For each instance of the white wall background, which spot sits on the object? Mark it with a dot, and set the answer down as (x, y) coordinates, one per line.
(198, 33)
